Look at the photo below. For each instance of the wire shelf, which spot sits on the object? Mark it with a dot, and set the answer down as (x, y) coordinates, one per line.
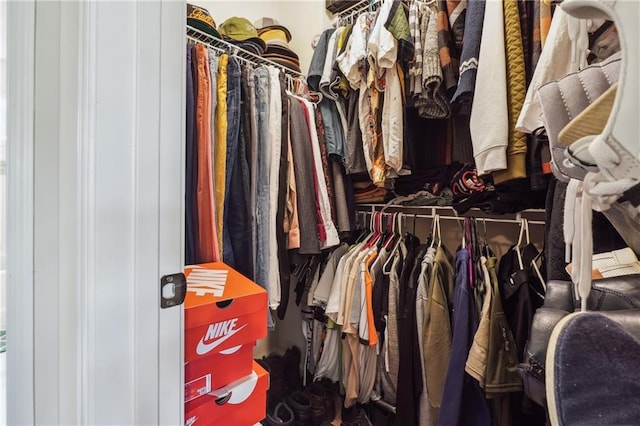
(349, 14)
(196, 36)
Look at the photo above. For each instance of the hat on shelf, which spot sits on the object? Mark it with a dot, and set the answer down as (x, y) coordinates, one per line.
(200, 19)
(240, 31)
(275, 36)
(268, 24)
(249, 45)
(282, 56)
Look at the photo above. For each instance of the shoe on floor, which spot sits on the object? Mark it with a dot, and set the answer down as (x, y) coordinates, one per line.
(592, 374)
(282, 415)
(300, 404)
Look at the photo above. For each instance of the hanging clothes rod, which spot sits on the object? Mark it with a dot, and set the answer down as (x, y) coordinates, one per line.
(434, 212)
(196, 36)
(385, 207)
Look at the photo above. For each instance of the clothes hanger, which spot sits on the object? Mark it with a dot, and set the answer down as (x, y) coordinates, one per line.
(485, 249)
(376, 231)
(393, 234)
(536, 270)
(364, 236)
(523, 236)
(463, 243)
(386, 268)
(435, 232)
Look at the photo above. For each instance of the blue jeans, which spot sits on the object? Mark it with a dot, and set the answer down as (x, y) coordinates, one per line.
(237, 229)
(262, 181)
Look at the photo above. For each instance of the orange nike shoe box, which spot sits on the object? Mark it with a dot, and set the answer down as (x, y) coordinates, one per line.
(241, 403)
(222, 309)
(215, 371)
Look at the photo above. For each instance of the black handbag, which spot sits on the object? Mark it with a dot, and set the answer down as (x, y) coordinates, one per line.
(617, 297)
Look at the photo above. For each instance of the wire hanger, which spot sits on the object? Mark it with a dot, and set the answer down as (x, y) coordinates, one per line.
(523, 236)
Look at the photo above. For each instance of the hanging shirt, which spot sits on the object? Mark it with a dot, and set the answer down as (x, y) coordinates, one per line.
(422, 296)
(274, 143)
(437, 326)
(336, 294)
(463, 402)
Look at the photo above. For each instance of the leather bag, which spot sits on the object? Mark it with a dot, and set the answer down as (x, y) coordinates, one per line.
(617, 297)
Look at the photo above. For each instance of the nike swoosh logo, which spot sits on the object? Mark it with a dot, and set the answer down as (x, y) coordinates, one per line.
(204, 348)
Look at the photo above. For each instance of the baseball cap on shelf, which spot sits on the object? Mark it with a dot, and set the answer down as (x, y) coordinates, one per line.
(200, 19)
(265, 24)
(240, 29)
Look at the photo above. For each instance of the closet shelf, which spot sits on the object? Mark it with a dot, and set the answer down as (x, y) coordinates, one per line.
(449, 213)
(350, 13)
(196, 36)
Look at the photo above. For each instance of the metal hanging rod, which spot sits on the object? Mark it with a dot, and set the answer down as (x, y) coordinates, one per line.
(373, 208)
(196, 36)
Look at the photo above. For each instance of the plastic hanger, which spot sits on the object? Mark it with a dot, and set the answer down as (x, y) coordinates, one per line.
(435, 232)
(386, 268)
(463, 243)
(536, 270)
(376, 226)
(391, 224)
(523, 236)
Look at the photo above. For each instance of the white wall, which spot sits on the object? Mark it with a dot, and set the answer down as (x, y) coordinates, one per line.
(303, 18)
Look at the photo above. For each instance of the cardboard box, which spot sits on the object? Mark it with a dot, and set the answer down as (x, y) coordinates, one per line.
(222, 309)
(241, 403)
(217, 370)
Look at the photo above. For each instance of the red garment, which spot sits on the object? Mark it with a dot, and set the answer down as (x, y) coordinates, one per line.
(207, 235)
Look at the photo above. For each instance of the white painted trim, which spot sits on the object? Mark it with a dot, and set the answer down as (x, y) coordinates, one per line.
(172, 184)
(20, 138)
(87, 31)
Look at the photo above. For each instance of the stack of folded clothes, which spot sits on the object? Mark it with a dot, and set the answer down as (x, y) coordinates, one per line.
(277, 38)
(242, 33)
(367, 192)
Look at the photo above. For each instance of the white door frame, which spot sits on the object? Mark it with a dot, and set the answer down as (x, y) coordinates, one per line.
(95, 211)
(20, 98)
